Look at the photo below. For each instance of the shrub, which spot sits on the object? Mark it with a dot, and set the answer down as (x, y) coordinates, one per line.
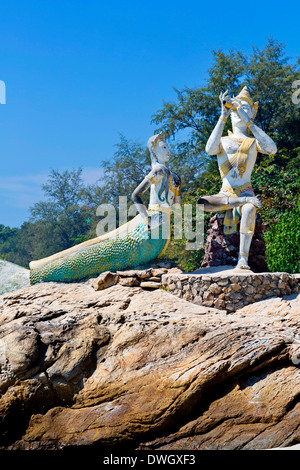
(283, 242)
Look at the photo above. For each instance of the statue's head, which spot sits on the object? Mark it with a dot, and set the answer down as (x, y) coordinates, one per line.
(247, 104)
(158, 148)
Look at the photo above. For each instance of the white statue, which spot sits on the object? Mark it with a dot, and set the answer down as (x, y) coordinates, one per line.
(164, 184)
(236, 155)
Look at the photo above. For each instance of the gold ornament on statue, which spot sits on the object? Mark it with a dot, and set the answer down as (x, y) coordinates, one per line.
(158, 138)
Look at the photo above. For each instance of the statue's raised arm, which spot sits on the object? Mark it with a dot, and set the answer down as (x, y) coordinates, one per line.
(213, 146)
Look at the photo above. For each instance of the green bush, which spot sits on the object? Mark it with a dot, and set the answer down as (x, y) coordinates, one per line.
(279, 191)
(283, 242)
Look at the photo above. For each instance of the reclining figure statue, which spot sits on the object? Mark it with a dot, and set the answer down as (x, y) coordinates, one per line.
(136, 242)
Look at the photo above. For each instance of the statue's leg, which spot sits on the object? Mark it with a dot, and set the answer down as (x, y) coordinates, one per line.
(247, 227)
(215, 203)
(221, 202)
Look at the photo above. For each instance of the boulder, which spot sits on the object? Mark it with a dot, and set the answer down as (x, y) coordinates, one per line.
(150, 284)
(105, 280)
(128, 281)
(221, 249)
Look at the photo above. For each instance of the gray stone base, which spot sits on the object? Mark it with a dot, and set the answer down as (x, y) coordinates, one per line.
(228, 288)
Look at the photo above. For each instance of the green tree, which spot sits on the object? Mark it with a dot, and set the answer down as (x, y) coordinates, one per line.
(62, 216)
(7, 241)
(279, 191)
(121, 175)
(269, 74)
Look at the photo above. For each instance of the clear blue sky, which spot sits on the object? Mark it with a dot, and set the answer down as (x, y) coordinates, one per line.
(78, 73)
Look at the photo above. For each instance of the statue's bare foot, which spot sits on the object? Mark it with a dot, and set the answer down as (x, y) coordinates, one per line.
(242, 264)
(253, 200)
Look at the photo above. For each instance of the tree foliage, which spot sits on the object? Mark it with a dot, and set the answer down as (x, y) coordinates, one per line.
(59, 221)
(269, 74)
(121, 175)
(62, 211)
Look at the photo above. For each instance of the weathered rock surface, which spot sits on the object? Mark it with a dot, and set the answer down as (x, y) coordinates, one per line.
(145, 369)
(148, 277)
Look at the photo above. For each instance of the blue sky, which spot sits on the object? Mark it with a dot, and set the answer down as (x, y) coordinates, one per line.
(78, 73)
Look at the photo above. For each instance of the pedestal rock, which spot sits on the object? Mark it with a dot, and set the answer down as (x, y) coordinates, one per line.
(223, 249)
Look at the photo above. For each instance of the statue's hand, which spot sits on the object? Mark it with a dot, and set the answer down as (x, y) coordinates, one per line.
(255, 200)
(225, 112)
(240, 111)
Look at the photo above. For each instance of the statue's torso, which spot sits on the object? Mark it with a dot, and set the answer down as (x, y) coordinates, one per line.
(165, 186)
(229, 148)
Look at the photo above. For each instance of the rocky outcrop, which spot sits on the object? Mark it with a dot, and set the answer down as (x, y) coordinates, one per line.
(221, 249)
(147, 277)
(143, 369)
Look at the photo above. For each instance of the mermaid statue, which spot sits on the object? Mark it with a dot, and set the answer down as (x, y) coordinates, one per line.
(142, 239)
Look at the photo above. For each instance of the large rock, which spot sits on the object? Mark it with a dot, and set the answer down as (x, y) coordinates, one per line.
(221, 249)
(145, 370)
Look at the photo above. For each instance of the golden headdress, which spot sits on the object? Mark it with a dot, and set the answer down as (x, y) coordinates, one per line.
(157, 138)
(244, 95)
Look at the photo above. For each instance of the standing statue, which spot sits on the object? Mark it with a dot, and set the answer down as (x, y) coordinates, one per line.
(134, 243)
(236, 155)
